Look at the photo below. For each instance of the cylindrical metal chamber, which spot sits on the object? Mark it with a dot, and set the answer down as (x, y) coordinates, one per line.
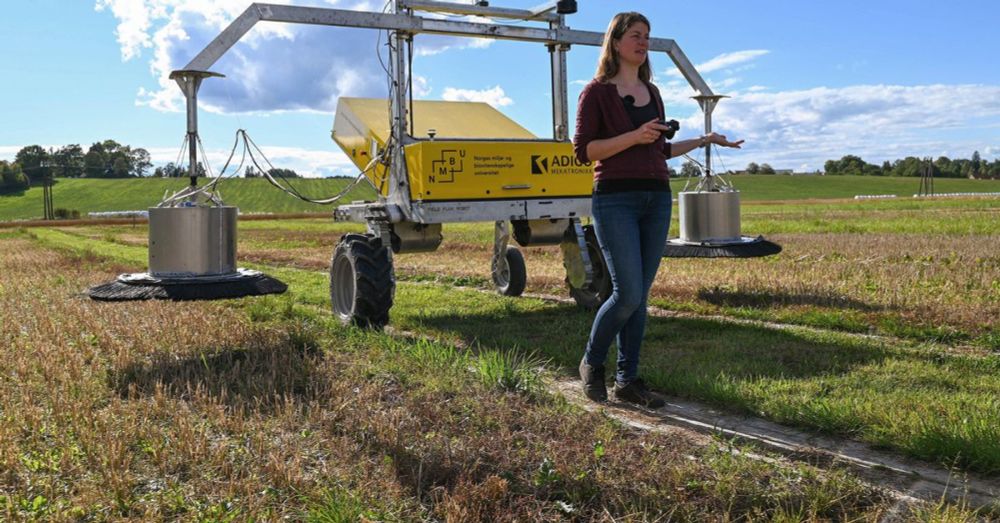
(192, 241)
(709, 217)
(539, 232)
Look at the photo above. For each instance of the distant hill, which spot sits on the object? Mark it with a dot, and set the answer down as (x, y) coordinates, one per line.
(258, 196)
(253, 195)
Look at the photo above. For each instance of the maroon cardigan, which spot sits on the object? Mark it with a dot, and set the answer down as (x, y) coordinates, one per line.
(600, 114)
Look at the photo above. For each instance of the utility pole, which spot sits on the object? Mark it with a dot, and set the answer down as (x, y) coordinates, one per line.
(49, 181)
(927, 178)
(47, 208)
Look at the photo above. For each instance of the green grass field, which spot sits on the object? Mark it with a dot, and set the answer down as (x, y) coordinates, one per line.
(257, 196)
(925, 274)
(267, 408)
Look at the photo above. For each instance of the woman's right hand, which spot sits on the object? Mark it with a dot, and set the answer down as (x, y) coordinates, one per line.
(648, 132)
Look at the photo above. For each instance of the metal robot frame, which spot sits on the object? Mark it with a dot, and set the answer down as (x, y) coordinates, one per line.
(396, 214)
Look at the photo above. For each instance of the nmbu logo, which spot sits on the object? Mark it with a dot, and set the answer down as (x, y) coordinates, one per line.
(443, 170)
(558, 164)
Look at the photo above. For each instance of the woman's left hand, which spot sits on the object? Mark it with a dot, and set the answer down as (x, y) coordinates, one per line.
(720, 139)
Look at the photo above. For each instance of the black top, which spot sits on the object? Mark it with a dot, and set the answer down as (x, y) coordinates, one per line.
(640, 114)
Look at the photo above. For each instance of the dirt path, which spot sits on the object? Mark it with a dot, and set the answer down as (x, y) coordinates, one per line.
(907, 478)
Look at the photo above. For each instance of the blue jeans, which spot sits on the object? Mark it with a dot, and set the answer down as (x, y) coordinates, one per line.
(632, 230)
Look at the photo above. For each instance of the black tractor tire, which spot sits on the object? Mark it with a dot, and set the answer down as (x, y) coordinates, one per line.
(362, 285)
(594, 295)
(511, 275)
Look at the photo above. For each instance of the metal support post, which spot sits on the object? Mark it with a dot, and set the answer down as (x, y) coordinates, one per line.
(399, 190)
(560, 104)
(190, 82)
(190, 85)
(501, 237)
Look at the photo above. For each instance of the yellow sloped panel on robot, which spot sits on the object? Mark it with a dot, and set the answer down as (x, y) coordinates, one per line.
(473, 170)
(361, 127)
(448, 119)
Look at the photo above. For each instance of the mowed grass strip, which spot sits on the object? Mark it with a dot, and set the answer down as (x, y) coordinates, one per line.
(266, 409)
(928, 274)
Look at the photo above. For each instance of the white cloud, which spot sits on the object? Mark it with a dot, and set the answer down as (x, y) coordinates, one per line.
(7, 152)
(421, 86)
(724, 61)
(876, 122)
(134, 21)
(728, 64)
(311, 163)
(494, 96)
(431, 44)
(274, 67)
(725, 83)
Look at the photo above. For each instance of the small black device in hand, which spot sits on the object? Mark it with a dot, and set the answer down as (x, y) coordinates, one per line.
(673, 125)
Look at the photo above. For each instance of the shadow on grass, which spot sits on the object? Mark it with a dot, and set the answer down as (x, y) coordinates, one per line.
(766, 300)
(256, 377)
(688, 349)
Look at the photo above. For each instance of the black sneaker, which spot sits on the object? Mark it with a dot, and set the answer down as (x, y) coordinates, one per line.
(636, 392)
(593, 381)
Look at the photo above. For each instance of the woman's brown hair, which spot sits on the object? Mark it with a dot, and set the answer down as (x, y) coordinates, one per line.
(607, 66)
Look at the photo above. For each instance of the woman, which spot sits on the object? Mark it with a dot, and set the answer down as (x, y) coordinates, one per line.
(616, 127)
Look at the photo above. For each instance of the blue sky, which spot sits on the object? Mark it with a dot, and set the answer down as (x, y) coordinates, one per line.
(809, 81)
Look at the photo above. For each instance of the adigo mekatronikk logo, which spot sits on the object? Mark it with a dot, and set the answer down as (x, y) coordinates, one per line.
(558, 164)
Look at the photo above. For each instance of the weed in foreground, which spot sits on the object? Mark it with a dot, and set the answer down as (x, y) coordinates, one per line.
(511, 370)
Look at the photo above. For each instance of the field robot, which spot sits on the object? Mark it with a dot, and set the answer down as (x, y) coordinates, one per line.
(436, 162)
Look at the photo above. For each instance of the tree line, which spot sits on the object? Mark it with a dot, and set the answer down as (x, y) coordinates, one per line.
(689, 168)
(851, 165)
(173, 170)
(35, 164)
(110, 159)
(107, 159)
(942, 167)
